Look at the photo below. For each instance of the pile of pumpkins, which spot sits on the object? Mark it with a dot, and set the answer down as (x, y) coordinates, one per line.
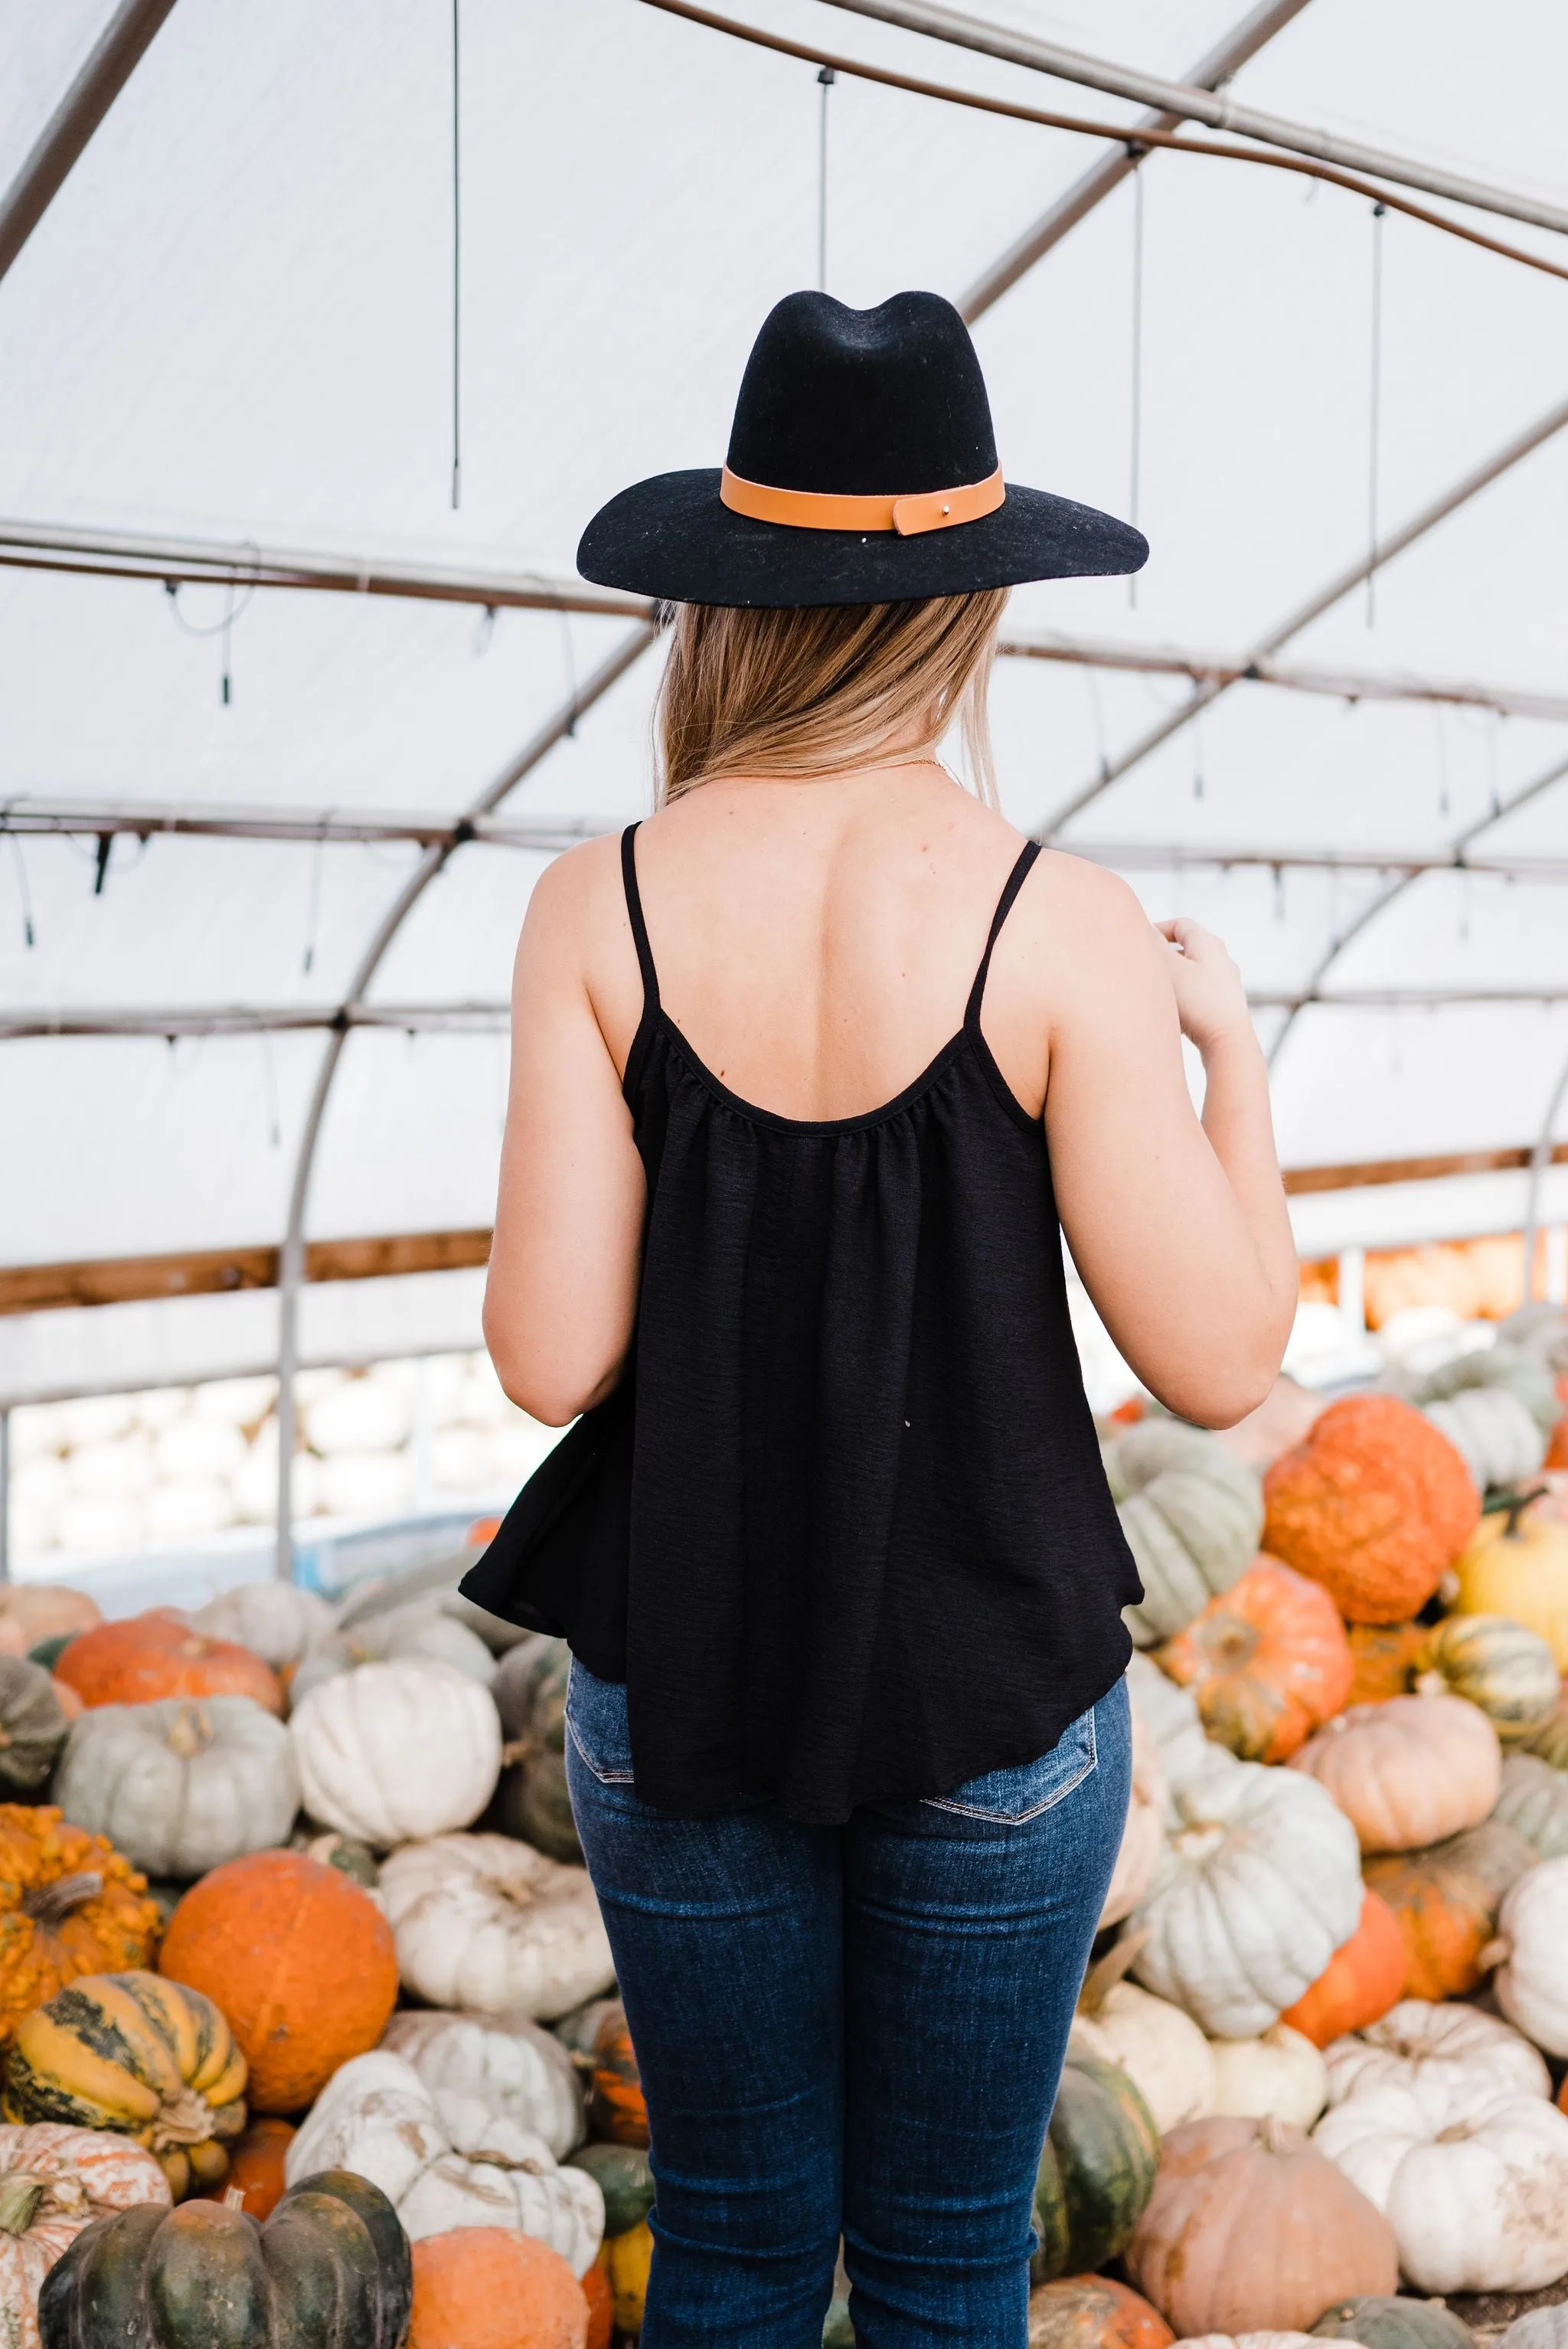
(289, 2008)
(1311, 2082)
(306, 2005)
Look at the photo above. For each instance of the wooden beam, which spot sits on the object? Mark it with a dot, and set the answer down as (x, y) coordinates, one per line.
(212, 1272)
(1363, 1174)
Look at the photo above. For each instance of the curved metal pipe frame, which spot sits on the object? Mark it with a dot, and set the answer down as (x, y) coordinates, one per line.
(290, 1270)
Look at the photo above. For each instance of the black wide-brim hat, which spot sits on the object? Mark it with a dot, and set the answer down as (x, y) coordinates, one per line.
(861, 469)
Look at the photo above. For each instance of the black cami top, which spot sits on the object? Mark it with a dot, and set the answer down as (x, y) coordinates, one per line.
(873, 1552)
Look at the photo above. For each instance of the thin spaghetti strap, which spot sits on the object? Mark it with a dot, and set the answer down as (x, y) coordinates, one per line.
(1015, 880)
(634, 914)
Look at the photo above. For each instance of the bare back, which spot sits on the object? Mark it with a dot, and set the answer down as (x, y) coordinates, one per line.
(816, 942)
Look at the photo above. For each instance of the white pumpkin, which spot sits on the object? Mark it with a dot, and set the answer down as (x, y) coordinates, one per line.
(1419, 2040)
(1280, 2072)
(1474, 2184)
(477, 2069)
(1192, 1512)
(1258, 1885)
(1252, 2341)
(1187, 1752)
(378, 2116)
(1493, 1434)
(1161, 2049)
(397, 1750)
(182, 1784)
(485, 1923)
(1138, 1855)
(421, 1629)
(1542, 2328)
(1532, 1982)
(276, 1621)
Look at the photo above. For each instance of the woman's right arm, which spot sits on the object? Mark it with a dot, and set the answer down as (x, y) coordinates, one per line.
(1177, 1224)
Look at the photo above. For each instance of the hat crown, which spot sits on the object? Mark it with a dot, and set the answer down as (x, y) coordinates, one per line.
(863, 403)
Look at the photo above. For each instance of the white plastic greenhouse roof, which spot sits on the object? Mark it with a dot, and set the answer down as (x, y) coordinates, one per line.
(234, 324)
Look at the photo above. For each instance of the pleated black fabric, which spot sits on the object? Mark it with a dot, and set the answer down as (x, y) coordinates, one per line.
(872, 1552)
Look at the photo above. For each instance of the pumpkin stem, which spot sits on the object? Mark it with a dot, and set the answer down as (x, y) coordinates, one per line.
(1494, 1953)
(1512, 1505)
(185, 2118)
(51, 1904)
(20, 2196)
(517, 1749)
(1430, 1683)
(234, 2197)
(1107, 1972)
(190, 1733)
(1272, 2134)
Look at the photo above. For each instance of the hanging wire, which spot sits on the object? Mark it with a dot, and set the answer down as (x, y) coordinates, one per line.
(225, 627)
(1374, 412)
(270, 1090)
(1442, 740)
(457, 265)
(312, 914)
(26, 894)
(827, 77)
(1135, 467)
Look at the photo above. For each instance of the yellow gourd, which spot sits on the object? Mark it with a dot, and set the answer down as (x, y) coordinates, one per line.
(1516, 1564)
(628, 2257)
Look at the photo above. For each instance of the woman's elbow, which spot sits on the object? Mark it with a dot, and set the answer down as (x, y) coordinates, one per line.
(1220, 1391)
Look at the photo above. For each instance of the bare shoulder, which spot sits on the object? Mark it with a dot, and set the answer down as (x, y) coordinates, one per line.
(577, 887)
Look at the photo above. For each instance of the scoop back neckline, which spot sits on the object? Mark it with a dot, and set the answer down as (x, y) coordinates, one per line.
(863, 1120)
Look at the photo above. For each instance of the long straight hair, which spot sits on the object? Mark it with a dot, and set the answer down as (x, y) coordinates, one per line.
(820, 690)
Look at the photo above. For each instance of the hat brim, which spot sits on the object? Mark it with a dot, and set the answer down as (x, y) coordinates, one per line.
(672, 537)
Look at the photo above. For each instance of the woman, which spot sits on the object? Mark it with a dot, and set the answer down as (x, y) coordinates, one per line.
(805, 1070)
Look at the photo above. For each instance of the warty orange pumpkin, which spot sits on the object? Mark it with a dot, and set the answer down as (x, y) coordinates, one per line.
(1376, 1504)
(1093, 2312)
(69, 1904)
(1267, 1662)
(1363, 1978)
(159, 1654)
(1445, 1901)
(302, 1960)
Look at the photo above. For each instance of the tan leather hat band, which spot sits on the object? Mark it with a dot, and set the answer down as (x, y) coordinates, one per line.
(820, 510)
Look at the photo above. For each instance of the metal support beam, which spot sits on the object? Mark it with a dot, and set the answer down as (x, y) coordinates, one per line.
(547, 836)
(1460, 861)
(169, 1024)
(1219, 110)
(120, 554)
(292, 1273)
(112, 60)
(1227, 57)
(1512, 453)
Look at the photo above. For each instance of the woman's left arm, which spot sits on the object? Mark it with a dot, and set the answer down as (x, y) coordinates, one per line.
(561, 1298)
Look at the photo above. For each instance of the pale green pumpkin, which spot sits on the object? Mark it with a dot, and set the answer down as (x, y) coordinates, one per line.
(1192, 1514)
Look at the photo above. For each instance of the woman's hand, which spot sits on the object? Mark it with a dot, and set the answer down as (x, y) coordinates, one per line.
(1210, 1000)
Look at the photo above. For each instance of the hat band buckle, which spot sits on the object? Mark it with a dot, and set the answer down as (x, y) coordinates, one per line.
(910, 516)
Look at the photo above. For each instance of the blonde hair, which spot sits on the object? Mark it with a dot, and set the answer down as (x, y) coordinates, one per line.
(819, 691)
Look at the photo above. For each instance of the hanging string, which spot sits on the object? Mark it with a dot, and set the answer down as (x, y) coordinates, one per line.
(312, 915)
(224, 628)
(1375, 413)
(270, 1088)
(827, 77)
(23, 891)
(456, 267)
(1136, 152)
(1442, 738)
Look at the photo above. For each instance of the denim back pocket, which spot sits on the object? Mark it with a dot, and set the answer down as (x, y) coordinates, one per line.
(1023, 1790)
(596, 1725)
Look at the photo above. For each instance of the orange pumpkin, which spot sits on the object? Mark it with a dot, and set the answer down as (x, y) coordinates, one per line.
(1091, 2311)
(1267, 1662)
(1363, 1978)
(256, 2166)
(617, 2108)
(1376, 1504)
(299, 1959)
(31, 1612)
(154, 1655)
(69, 1905)
(492, 2288)
(1445, 1901)
(600, 2304)
(1386, 1657)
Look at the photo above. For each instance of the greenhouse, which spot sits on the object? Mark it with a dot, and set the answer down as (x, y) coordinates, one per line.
(323, 332)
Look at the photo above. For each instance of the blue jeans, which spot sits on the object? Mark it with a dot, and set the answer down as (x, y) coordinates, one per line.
(854, 2029)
